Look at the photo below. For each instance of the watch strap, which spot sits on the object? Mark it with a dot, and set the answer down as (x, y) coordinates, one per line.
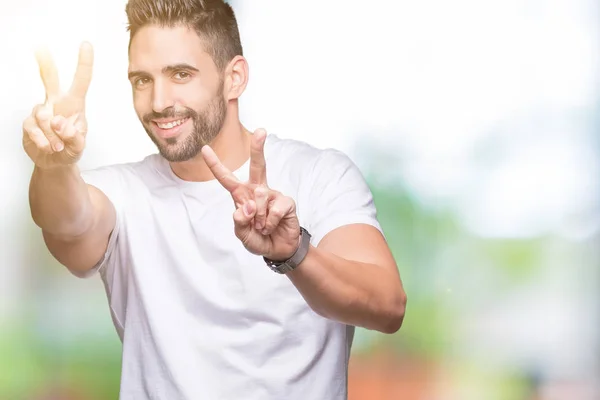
(282, 267)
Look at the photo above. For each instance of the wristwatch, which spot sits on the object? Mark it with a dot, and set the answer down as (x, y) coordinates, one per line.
(282, 267)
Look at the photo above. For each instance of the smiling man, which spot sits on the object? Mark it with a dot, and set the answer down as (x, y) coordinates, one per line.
(236, 264)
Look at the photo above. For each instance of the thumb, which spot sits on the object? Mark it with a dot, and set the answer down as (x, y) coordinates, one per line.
(64, 127)
(249, 209)
(57, 123)
(242, 218)
(243, 215)
(67, 130)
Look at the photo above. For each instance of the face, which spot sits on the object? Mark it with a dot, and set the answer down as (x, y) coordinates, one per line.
(177, 90)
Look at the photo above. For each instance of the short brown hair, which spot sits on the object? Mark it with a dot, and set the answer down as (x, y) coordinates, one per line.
(213, 20)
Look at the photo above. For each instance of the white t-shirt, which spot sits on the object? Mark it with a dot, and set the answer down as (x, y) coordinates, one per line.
(199, 316)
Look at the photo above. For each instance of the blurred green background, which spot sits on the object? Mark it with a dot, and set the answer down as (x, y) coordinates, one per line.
(476, 125)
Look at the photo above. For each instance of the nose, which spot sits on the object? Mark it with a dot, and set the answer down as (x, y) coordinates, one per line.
(161, 97)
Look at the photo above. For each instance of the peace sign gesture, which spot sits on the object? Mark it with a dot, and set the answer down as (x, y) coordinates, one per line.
(265, 220)
(54, 133)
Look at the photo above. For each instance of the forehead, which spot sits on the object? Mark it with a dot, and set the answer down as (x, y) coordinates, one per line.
(154, 47)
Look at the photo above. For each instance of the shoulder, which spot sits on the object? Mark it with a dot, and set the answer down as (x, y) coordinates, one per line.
(304, 157)
(140, 168)
(118, 181)
(278, 149)
(331, 190)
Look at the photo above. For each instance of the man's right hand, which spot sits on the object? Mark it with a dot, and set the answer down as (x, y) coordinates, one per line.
(54, 133)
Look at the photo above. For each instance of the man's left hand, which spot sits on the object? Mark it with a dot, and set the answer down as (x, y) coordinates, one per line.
(265, 220)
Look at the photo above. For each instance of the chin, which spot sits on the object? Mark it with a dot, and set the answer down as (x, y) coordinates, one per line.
(180, 151)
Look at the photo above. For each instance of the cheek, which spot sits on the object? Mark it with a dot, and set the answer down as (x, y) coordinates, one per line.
(191, 95)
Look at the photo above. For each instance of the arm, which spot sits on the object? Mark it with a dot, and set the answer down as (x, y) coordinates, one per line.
(351, 277)
(76, 219)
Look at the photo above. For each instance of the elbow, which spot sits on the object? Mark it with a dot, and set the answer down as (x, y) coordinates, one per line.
(395, 315)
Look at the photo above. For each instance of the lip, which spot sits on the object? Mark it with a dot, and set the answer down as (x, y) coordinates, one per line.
(171, 132)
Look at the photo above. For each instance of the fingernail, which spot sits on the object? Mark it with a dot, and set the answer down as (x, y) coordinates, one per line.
(264, 232)
(257, 225)
(59, 146)
(247, 209)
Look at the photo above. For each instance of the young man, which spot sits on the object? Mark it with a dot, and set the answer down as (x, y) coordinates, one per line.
(258, 306)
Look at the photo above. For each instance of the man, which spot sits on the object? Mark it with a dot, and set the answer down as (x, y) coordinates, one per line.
(258, 306)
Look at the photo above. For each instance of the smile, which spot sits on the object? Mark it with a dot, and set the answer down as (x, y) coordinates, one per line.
(170, 125)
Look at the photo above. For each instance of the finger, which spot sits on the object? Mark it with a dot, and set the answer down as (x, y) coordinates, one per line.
(57, 122)
(43, 116)
(81, 125)
(261, 197)
(35, 134)
(242, 219)
(221, 173)
(49, 74)
(83, 73)
(68, 132)
(243, 215)
(278, 209)
(258, 165)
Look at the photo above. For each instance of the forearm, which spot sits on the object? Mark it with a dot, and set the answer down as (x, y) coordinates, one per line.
(60, 201)
(350, 292)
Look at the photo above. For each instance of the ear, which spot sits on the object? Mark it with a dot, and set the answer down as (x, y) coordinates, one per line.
(236, 78)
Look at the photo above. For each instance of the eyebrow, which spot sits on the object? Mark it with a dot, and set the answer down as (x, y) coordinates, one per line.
(166, 70)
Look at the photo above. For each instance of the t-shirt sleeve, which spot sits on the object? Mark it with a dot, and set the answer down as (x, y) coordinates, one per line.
(109, 180)
(339, 196)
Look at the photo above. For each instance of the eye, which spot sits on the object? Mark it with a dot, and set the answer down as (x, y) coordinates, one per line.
(181, 76)
(141, 82)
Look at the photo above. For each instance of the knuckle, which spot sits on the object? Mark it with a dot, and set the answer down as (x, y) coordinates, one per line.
(57, 124)
(287, 203)
(28, 125)
(35, 110)
(261, 191)
(270, 225)
(43, 114)
(68, 132)
(276, 212)
(67, 135)
(290, 202)
(80, 126)
(35, 133)
(238, 216)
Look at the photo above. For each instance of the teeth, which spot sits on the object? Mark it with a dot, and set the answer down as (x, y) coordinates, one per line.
(170, 124)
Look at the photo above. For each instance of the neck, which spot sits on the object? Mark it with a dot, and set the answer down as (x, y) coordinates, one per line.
(232, 146)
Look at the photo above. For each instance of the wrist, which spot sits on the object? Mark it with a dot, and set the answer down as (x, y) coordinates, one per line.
(59, 169)
(284, 259)
(295, 259)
